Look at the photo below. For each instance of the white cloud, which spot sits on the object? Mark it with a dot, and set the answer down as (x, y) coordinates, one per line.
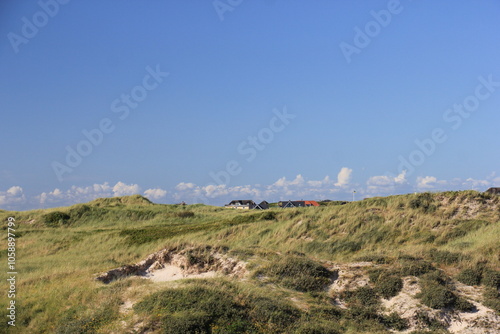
(12, 197)
(155, 194)
(343, 177)
(122, 189)
(386, 184)
(426, 183)
(185, 186)
(282, 189)
(15, 191)
(325, 182)
(401, 178)
(299, 180)
(85, 194)
(479, 185)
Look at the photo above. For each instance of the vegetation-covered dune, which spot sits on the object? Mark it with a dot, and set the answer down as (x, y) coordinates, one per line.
(412, 263)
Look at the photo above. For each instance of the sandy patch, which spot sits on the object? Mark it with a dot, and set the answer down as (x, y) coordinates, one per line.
(172, 264)
(174, 273)
(483, 321)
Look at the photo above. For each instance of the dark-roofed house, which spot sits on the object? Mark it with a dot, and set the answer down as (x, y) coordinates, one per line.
(495, 191)
(241, 204)
(262, 206)
(297, 204)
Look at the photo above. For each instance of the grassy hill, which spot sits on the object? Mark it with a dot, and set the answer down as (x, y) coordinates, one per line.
(414, 263)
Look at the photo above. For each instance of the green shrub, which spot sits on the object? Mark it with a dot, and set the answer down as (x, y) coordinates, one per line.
(326, 312)
(184, 214)
(375, 273)
(464, 305)
(317, 328)
(491, 278)
(388, 285)
(268, 215)
(362, 313)
(232, 326)
(470, 276)
(430, 322)
(191, 309)
(56, 219)
(273, 314)
(78, 212)
(298, 273)
(491, 298)
(436, 276)
(423, 202)
(394, 321)
(445, 257)
(186, 322)
(415, 267)
(436, 296)
(80, 320)
(200, 255)
(363, 296)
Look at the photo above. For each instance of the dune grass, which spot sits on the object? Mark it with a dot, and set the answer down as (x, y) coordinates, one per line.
(59, 252)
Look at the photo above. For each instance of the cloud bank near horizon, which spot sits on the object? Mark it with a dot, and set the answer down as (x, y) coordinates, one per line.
(340, 188)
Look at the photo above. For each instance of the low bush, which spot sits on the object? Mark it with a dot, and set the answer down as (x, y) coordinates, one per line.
(317, 328)
(429, 321)
(298, 273)
(375, 273)
(491, 278)
(326, 312)
(190, 309)
(388, 285)
(56, 219)
(80, 320)
(491, 298)
(186, 322)
(470, 276)
(415, 267)
(436, 296)
(363, 296)
(268, 215)
(200, 256)
(464, 305)
(226, 326)
(272, 314)
(423, 202)
(436, 276)
(359, 313)
(445, 257)
(216, 307)
(394, 321)
(184, 214)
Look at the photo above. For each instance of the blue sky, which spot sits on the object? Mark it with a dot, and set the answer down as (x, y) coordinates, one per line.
(206, 101)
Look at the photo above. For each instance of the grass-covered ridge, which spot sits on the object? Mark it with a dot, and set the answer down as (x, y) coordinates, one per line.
(292, 255)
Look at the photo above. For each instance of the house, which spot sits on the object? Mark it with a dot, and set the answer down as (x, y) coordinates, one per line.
(494, 191)
(247, 205)
(297, 204)
(241, 204)
(262, 206)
